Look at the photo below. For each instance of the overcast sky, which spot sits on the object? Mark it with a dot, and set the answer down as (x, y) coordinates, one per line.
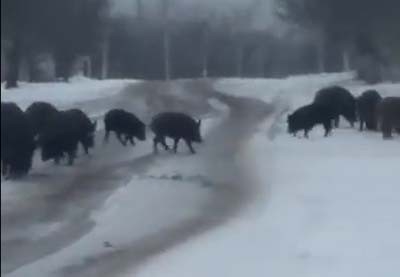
(263, 16)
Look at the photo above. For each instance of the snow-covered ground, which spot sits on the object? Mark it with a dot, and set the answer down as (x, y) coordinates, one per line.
(62, 94)
(118, 195)
(326, 206)
(321, 207)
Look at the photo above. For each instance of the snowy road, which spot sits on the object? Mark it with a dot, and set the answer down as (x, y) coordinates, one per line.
(52, 210)
(254, 201)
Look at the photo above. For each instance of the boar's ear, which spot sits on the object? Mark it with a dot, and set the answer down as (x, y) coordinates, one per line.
(199, 123)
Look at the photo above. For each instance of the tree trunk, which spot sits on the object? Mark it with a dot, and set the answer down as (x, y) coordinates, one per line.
(205, 52)
(32, 67)
(166, 40)
(104, 58)
(346, 60)
(87, 67)
(166, 46)
(14, 62)
(239, 60)
(64, 64)
(321, 55)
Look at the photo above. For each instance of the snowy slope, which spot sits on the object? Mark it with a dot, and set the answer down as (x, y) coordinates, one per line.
(78, 90)
(326, 207)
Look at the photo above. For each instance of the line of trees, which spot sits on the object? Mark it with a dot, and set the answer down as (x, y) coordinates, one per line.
(324, 36)
(203, 44)
(64, 28)
(367, 30)
(146, 45)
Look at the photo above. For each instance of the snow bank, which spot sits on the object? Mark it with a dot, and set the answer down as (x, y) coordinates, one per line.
(63, 94)
(266, 89)
(299, 90)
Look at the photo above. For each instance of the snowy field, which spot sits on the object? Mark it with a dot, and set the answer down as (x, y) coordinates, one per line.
(78, 90)
(321, 207)
(326, 207)
(60, 218)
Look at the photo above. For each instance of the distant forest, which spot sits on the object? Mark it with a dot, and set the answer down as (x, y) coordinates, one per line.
(47, 40)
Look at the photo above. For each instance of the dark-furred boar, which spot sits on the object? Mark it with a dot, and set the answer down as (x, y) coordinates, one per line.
(367, 104)
(17, 141)
(389, 116)
(176, 126)
(39, 114)
(306, 117)
(341, 101)
(125, 124)
(64, 132)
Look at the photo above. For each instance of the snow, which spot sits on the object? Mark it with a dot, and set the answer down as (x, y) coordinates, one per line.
(168, 193)
(319, 216)
(326, 206)
(126, 218)
(63, 94)
(323, 207)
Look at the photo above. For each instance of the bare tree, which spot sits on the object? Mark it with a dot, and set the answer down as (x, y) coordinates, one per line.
(242, 21)
(206, 34)
(105, 49)
(166, 39)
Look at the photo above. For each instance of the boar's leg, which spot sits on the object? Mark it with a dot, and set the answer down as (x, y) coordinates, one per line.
(176, 141)
(306, 132)
(337, 121)
(130, 138)
(72, 154)
(164, 143)
(119, 137)
(57, 160)
(189, 144)
(71, 157)
(85, 147)
(159, 139)
(106, 136)
(361, 125)
(155, 142)
(386, 129)
(327, 127)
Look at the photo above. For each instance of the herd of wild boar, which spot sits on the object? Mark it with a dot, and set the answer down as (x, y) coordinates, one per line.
(59, 133)
(370, 109)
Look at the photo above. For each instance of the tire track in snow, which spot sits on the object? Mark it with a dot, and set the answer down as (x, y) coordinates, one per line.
(68, 196)
(233, 188)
